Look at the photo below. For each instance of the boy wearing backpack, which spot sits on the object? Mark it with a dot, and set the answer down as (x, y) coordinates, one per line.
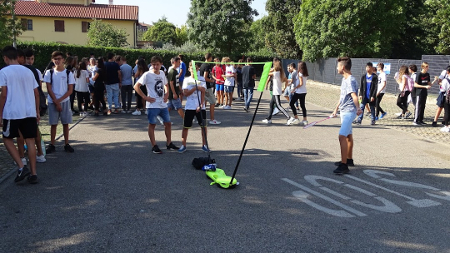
(60, 84)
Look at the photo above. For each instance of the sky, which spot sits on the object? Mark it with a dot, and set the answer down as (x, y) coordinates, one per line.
(174, 10)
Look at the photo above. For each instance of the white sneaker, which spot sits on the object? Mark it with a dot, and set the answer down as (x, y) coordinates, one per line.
(267, 121)
(214, 122)
(24, 161)
(40, 159)
(123, 111)
(228, 107)
(146, 113)
(304, 123)
(445, 129)
(136, 113)
(290, 121)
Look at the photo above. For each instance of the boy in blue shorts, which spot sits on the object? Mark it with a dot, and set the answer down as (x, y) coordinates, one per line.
(174, 88)
(156, 102)
(349, 108)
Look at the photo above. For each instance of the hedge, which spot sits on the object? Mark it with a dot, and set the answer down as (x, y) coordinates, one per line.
(43, 51)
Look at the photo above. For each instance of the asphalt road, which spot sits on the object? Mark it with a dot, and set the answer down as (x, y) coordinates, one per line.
(114, 195)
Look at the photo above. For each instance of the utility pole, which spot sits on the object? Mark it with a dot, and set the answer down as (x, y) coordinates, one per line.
(13, 7)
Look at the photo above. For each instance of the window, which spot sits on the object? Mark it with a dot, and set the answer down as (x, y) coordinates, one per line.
(85, 26)
(59, 25)
(27, 24)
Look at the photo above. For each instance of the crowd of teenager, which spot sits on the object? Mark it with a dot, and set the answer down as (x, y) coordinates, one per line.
(159, 90)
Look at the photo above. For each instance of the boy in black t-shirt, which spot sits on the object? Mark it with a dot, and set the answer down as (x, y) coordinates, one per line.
(422, 84)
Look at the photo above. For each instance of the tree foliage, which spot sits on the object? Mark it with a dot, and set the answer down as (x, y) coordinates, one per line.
(161, 31)
(279, 27)
(103, 34)
(257, 35)
(181, 35)
(8, 26)
(361, 28)
(441, 22)
(222, 25)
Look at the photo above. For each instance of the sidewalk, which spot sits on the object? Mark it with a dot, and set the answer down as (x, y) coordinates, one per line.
(320, 94)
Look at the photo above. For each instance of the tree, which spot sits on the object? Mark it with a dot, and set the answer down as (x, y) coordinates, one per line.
(181, 35)
(279, 27)
(104, 34)
(8, 26)
(161, 31)
(361, 28)
(221, 25)
(258, 35)
(441, 23)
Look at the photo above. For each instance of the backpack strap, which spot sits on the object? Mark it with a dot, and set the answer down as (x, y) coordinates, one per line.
(67, 72)
(51, 76)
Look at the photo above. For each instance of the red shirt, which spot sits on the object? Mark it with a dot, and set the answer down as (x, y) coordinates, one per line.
(218, 71)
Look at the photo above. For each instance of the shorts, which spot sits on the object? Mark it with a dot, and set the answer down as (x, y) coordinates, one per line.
(287, 91)
(219, 87)
(65, 115)
(28, 127)
(174, 104)
(209, 96)
(189, 116)
(153, 112)
(346, 123)
(440, 100)
(91, 88)
(229, 89)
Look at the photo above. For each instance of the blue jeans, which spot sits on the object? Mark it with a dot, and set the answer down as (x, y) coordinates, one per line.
(112, 94)
(363, 106)
(248, 95)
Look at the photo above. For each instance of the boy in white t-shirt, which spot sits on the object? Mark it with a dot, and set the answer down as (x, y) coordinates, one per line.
(380, 92)
(60, 84)
(157, 88)
(19, 111)
(230, 76)
(194, 91)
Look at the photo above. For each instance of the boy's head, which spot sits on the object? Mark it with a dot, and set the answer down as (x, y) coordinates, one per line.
(9, 54)
(156, 62)
(226, 60)
(208, 56)
(176, 62)
(291, 67)
(380, 66)
(249, 59)
(217, 60)
(344, 64)
(412, 68)
(118, 59)
(110, 56)
(448, 70)
(181, 57)
(369, 68)
(20, 57)
(29, 56)
(425, 66)
(58, 58)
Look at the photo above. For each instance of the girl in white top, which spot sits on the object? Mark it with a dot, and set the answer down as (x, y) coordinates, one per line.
(278, 77)
(230, 76)
(82, 88)
(300, 94)
(445, 86)
(402, 101)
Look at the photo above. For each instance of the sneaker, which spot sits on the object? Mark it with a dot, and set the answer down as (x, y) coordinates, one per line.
(401, 116)
(40, 159)
(21, 174)
(445, 129)
(349, 162)
(216, 105)
(434, 124)
(116, 111)
(416, 124)
(24, 161)
(205, 148)
(383, 114)
(182, 149)
(81, 114)
(160, 120)
(32, 179)
(214, 122)
(341, 169)
(267, 121)
(171, 146)
(245, 109)
(304, 123)
(422, 123)
(290, 121)
(68, 148)
(376, 118)
(109, 112)
(372, 123)
(408, 114)
(356, 122)
(50, 149)
(136, 113)
(123, 112)
(156, 150)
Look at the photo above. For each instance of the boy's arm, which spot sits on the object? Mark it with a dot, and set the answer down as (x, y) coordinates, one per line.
(2, 103)
(37, 103)
(333, 114)
(51, 93)
(166, 92)
(120, 77)
(67, 94)
(356, 102)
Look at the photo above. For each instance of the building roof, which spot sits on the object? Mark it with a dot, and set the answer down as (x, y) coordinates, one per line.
(97, 11)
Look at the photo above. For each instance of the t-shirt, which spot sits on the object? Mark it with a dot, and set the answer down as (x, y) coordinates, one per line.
(112, 72)
(445, 85)
(92, 70)
(80, 82)
(239, 75)
(229, 70)
(127, 73)
(294, 77)
(348, 86)
(218, 74)
(205, 67)
(381, 80)
(276, 83)
(442, 76)
(413, 76)
(20, 83)
(60, 85)
(368, 84)
(247, 77)
(182, 67)
(302, 89)
(172, 76)
(192, 100)
(422, 79)
(155, 88)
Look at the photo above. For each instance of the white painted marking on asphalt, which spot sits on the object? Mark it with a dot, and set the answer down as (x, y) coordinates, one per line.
(446, 197)
(303, 196)
(373, 173)
(317, 194)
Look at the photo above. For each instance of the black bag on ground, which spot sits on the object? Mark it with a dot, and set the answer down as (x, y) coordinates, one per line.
(199, 162)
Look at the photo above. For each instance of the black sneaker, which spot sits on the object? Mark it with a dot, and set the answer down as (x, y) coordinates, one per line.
(356, 122)
(341, 169)
(21, 174)
(50, 149)
(422, 123)
(68, 148)
(171, 146)
(156, 150)
(32, 179)
(349, 163)
(434, 124)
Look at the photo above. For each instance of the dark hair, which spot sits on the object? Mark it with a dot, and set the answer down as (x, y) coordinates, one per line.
(69, 61)
(156, 58)
(110, 56)
(141, 67)
(380, 64)
(57, 53)
(448, 69)
(346, 62)
(208, 56)
(176, 58)
(10, 52)
(369, 64)
(302, 68)
(28, 52)
(249, 59)
(20, 53)
(291, 65)
(101, 68)
(276, 59)
(118, 58)
(81, 66)
(181, 56)
(413, 67)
